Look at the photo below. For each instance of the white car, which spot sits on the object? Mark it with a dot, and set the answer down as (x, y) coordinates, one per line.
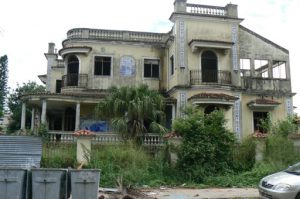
(281, 185)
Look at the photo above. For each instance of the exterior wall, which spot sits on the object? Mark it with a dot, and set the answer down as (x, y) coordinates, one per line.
(183, 101)
(278, 113)
(172, 79)
(253, 46)
(56, 74)
(116, 51)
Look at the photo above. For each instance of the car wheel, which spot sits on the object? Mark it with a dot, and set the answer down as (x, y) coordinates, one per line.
(298, 196)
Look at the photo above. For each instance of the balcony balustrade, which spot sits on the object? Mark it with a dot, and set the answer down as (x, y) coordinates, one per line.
(82, 33)
(198, 77)
(149, 139)
(206, 10)
(75, 80)
(258, 83)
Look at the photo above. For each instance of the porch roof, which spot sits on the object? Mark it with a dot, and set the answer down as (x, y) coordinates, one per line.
(262, 104)
(213, 98)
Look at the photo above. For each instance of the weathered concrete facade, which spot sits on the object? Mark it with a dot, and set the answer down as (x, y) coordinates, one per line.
(208, 58)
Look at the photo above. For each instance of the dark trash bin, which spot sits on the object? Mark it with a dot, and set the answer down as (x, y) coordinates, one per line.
(13, 183)
(85, 183)
(49, 183)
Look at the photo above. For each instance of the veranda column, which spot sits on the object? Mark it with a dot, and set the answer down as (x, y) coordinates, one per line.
(23, 116)
(77, 120)
(32, 118)
(44, 109)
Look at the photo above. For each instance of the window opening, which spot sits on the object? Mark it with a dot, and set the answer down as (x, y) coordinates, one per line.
(58, 86)
(209, 67)
(102, 66)
(151, 68)
(261, 68)
(210, 108)
(172, 65)
(258, 118)
(279, 69)
(245, 67)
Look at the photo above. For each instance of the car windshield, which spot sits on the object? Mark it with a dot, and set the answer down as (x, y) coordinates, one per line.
(295, 169)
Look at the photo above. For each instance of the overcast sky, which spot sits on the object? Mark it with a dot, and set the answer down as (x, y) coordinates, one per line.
(26, 27)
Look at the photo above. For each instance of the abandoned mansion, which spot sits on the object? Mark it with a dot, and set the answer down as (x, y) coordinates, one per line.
(207, 59)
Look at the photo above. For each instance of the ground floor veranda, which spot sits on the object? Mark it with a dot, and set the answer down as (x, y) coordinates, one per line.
(64, 113)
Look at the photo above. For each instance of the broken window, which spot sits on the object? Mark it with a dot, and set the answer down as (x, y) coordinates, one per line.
(172, 65)
(245, 67)
(151, 68)
(102, 66)
(261, 68)
(279, 69)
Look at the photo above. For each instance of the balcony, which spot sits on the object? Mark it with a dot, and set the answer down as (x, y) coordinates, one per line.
(265, 84)
(117, 35)
(75, 80)
(198, 77)
(230, 10)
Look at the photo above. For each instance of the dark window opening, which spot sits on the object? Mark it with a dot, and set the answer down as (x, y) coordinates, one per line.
(209, 67)
(210, 108)
(70, 119)
(172, 65)
(151, 68)
(258, 118)
(58, 86)
(73, 65)
(169, 116)
(102, 66)
(73, 70)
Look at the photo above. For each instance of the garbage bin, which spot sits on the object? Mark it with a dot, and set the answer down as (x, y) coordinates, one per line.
(13, 183)
(85, 183)
(49, 183)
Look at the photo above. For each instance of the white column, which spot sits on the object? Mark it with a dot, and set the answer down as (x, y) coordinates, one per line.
(32, 118)
(23, 116)
(77, 121)
(44, 109)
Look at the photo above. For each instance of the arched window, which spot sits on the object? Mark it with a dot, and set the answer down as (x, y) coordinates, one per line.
(209, 67)
(73, 65)
(72, 71)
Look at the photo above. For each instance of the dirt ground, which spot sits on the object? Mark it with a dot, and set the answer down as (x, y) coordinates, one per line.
(180, 193)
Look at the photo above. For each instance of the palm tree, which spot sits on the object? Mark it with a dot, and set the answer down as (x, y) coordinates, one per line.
(133, 111)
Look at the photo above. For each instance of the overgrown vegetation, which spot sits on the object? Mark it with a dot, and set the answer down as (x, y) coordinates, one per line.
(209, 157)
(207, 146)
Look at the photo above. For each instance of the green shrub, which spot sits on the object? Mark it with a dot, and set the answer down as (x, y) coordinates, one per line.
(285, 127)
(244, 155)
(43, 132)
(207, 145)
(280, 151)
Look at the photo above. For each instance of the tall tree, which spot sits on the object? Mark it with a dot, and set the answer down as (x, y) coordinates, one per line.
(15, 104)
(3, 82)
(133, 111)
